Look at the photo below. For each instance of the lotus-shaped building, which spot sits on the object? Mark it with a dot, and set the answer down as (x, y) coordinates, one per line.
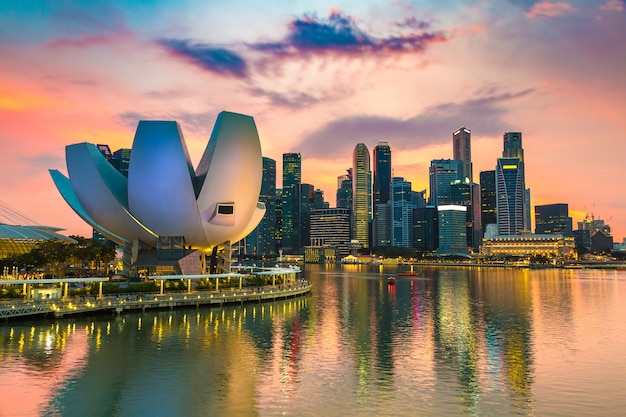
(163, 196)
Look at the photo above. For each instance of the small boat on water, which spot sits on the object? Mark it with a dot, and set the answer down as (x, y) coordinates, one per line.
(407, 274)
(391, 280)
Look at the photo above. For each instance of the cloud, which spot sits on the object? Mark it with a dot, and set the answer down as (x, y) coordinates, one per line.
(310, 35)
(613, 6)
(549, 9)
(435, 125)
(339, 34)
(211, 58)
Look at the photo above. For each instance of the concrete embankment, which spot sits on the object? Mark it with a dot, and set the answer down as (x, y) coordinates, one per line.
(132, 302)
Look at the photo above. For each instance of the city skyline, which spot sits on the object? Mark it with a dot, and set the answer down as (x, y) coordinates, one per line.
(318, 80)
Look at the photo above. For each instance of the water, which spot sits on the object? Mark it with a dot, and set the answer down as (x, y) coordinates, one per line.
(453, 342)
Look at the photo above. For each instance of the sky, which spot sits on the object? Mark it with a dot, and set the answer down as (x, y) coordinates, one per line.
(318, 78)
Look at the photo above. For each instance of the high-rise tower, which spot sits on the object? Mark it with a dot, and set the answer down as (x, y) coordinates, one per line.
(462, 151)
(361, 194)
(382, 174)
(262, 241)
(513, 149)
(510, 196)
(292, 178)
(442, 173)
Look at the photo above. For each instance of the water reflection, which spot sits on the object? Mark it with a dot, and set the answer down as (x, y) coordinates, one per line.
(449, 342)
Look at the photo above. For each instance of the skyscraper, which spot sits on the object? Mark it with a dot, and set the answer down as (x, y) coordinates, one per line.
(462, 151)
(331, 226)
(361, 194)
(402, 213)
(452, 224)
(262, 241)
(307, 203)
(292, 177)
(344, 190)
(425, 229)
(382, 174)
(510, 196)
(487, 199)
(513, 146)
(442, 173)
(513, 149)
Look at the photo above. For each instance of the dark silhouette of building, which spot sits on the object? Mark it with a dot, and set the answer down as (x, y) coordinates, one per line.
(292, 177)
(553, 219)
(425, 229)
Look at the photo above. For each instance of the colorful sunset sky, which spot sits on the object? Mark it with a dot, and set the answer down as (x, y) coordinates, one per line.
(318, 78)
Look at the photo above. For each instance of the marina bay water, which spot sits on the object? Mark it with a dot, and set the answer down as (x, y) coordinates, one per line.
(451, 341)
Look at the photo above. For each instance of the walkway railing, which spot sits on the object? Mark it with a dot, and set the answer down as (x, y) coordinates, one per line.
(122, 302)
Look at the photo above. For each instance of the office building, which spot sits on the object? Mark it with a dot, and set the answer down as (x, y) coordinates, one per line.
(513, 149)
(462, 151)
(442, 173)
(262, 241)
(488, 200)
(452, 224)
(292, 177)
(361, 194)
(402, 213)
(344, 190)
(510, 196)
(553, 219)
(381, 226)
(307, 203)
(381, 192)
(331, 227)
(425, 229)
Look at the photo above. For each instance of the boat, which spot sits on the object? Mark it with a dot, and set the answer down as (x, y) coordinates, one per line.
(391, 280)
(407, 274)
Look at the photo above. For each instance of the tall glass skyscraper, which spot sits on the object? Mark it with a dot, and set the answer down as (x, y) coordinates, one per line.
(402, 213)
(510, 196)
(462, 151)
(361, 194)
(292, 178)
(513, 149)
(442, 173)
(488, 198)
(382, 174)
(262, 241)
(344, 190)
(452, 225)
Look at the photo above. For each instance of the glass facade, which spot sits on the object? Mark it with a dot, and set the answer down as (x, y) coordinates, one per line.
(510, 196)
(442, 173)
(362, 194)
(292, 177)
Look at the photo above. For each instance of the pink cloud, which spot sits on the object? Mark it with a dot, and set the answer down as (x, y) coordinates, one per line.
(550, 9)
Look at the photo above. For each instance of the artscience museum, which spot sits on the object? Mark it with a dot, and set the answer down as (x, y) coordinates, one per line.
(165, 203)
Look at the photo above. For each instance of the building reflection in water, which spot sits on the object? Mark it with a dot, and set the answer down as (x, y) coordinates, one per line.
(448, 342)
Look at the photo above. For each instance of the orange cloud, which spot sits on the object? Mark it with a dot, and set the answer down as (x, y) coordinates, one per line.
(551, 9)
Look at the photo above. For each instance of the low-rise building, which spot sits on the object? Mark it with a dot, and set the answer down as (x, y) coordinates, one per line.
(549, 245)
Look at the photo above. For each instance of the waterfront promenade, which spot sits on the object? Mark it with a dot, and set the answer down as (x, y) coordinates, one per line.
(119, 303)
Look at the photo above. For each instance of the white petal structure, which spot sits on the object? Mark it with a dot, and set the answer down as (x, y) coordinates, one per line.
(162, 195)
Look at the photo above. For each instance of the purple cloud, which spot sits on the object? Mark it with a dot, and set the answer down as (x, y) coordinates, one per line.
(214, 59)
(309, 35)
(340, 34)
